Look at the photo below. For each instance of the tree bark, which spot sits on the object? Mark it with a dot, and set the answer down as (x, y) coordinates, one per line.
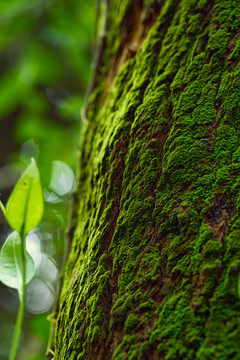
(154, 264)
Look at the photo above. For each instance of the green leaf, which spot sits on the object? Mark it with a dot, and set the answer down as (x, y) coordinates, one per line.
(24, 208)
(11, 263)
(2, 207)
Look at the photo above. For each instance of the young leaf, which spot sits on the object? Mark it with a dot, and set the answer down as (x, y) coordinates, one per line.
(3, 208)
(11, 263)
(24, 208)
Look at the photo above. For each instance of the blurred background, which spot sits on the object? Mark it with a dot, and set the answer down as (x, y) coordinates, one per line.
(45, 56)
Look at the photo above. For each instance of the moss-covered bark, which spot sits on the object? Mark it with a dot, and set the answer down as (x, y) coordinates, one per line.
(155, 257)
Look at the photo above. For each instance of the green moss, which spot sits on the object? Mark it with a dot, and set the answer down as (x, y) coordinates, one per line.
(95, 334)
(130, 323)
(145, 346)
(212, 249)
(156, 243)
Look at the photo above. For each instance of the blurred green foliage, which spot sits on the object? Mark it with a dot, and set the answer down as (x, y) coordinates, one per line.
(44, 69)
(45, 56)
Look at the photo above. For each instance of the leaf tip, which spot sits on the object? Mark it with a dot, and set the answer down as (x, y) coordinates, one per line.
(3, 208)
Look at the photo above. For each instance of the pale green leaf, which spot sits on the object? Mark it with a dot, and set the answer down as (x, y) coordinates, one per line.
(2, 208)
(11, 263)
(24, 208)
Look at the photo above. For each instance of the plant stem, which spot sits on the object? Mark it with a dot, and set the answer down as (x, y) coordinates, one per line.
(17, 329)
(22, 300)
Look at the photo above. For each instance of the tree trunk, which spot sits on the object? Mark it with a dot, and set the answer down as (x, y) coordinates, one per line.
(154, 264)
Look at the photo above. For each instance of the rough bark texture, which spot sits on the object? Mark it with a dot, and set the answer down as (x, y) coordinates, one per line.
(155, 257)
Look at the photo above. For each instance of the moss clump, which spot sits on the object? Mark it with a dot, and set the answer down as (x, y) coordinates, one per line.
(95, 334)
(130, 323)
